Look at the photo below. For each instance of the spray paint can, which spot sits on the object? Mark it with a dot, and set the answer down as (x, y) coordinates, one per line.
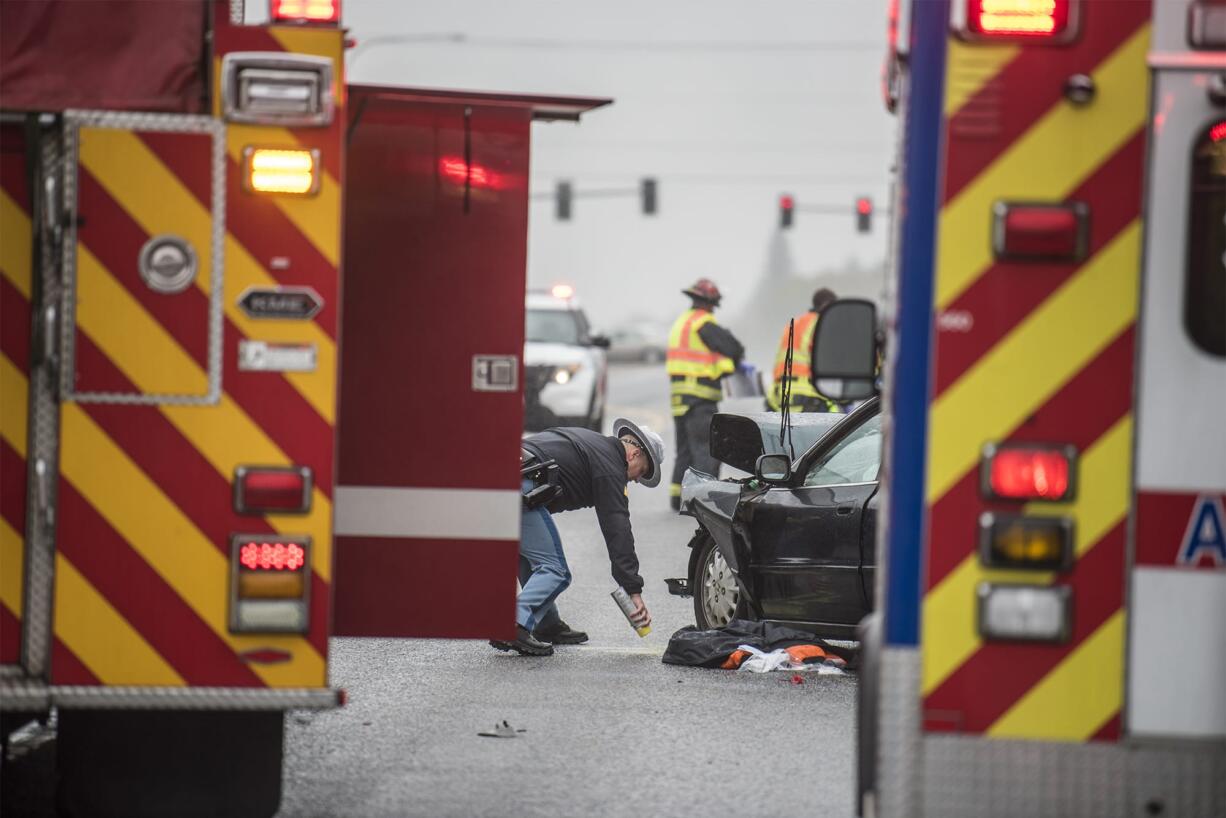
(624, 602)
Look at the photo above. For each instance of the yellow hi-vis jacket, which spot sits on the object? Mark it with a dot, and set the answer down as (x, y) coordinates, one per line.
(802, 365)
(694, 369)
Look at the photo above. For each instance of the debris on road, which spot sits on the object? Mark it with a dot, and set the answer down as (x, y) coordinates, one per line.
(755, 646)
(503, 730)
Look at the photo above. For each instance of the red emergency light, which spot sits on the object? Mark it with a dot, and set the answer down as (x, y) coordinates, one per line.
(461, 172)
(306, 11)
(272, 556)
(272, 489)
(1028, 472)
(864, 206)
(1218, 132)
(1025, 19)
(1040, 231)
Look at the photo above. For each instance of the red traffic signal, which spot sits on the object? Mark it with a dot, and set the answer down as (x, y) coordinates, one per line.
(787, 210)
(864, 214)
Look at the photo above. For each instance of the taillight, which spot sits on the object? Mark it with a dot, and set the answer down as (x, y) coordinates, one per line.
(281, 170)
(306, 11)
(1027, 543)
(1036, 20)
(269, 583)
(1040, 232)
(1028, 472)
(272, 489)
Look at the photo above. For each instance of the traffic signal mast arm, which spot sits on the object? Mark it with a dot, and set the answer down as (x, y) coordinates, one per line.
(564, 195)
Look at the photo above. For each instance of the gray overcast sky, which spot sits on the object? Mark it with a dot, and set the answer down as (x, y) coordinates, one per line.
(727, 103)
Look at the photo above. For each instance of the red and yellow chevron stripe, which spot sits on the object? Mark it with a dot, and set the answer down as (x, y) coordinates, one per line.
(15, 267)
(1047, 355)
(145, 510)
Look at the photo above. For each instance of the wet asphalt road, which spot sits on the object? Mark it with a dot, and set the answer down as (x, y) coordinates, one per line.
(609, 729)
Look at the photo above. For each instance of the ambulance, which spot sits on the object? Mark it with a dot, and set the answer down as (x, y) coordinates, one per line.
(1051, 637)
(211, 462)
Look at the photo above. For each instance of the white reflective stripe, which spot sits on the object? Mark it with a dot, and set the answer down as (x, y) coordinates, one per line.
(456, 514)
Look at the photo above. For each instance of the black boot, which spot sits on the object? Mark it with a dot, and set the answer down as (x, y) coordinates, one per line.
(525, 644)
(559, 633)
(675, 502)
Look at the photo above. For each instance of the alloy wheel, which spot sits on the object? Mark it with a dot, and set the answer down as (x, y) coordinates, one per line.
(720, 593)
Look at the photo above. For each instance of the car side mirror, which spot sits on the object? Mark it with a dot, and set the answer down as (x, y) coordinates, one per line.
(773, 468)
(845, 350)
(601, 341)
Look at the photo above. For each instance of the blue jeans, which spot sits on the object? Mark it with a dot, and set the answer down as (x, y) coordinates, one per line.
(543, 573)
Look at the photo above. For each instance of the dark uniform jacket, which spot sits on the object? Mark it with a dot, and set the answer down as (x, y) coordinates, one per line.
(722, 341)
(592, 473)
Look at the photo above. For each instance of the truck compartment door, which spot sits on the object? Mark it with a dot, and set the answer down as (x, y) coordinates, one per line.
(161, 262)
(431, 405)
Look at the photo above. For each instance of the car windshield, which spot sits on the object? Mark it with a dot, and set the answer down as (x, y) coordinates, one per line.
(856, 458)
(553, 327)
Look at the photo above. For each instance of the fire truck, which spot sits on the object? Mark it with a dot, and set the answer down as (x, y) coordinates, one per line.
(211, 463)
(1052, 562)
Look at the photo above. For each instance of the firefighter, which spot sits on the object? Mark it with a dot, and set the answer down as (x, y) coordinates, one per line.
(700, 353)
(582, 469)
(802, 396)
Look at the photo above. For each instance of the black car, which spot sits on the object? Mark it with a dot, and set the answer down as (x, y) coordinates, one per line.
(794, 542)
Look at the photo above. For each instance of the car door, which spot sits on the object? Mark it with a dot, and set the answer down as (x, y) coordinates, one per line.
(807, 563)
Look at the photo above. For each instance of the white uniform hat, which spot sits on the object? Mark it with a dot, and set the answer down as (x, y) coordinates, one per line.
(653, 448)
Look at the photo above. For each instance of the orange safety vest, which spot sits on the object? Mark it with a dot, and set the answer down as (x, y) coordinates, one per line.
(802, 365)
(694, 369)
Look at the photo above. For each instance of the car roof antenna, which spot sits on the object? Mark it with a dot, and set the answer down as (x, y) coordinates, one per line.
(785, 395)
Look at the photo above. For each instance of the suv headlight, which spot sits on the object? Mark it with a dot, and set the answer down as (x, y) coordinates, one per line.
(563, 374)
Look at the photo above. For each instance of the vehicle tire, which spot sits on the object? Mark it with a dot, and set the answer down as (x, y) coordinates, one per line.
(158, 763)
(717, 597)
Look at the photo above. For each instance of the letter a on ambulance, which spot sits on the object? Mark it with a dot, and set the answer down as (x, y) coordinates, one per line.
(1206, 535)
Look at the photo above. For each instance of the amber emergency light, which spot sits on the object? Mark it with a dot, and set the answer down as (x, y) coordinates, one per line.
(1028, 543)
(281, 170)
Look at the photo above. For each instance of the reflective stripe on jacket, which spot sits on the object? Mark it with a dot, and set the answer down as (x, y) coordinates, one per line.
(694, 369)
(802, 365)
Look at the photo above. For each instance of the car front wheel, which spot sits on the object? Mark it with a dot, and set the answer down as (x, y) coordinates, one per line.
(717, 597)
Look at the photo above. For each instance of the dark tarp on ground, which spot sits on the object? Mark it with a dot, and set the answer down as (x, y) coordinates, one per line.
(695, 648)
(133, 55)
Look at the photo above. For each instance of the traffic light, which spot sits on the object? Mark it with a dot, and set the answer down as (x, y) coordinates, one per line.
(787, 208)
(647, 190)
(864, 214)
(562, 200)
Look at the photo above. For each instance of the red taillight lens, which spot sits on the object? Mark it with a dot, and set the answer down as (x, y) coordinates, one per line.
(1018, 18)
(272, 556)
(306, 11)
(259, 490)
(270, 582)
(1029, 473)
(1040, 232)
